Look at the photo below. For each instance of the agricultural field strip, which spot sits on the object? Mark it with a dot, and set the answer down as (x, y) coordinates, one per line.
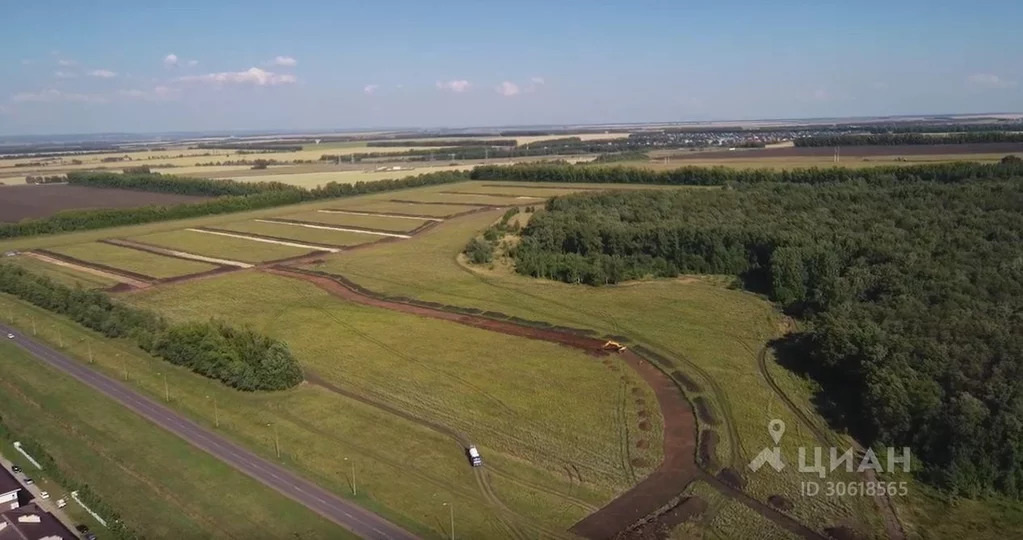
(175, 253)
(88, 269)
(371, 214)
(330, 228)
(267, 240)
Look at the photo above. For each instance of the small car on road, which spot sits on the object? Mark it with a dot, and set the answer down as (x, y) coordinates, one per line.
(15, 468)
(28, 481)
(10, 336)
(44, 495)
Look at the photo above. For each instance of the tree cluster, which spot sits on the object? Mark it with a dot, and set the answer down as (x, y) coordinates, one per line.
(893, 139)
(911, 290)
(240, 358)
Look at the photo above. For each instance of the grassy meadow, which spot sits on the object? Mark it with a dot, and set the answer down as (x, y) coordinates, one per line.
(166, 494)
(300, 234)
(384, 223)
(224, 247)
(61, 274)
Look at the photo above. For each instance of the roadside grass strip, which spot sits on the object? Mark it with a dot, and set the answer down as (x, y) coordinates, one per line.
(268, 241)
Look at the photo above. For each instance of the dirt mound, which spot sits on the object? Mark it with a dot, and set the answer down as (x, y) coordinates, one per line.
(732, 477)
(642, 413)
(644, 426)
(842, 532)
(686, 381)
(642, 443)
(781, 503)
(639, 462)
(708, 445)
(635, 390)
(640, 402)
(704, 411)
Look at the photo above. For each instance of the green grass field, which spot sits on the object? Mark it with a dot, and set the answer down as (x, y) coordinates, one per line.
(712, 333)
(300, 234)
(373, 222)
(133, 260)
(385, 206)
(61, 274)
(225, 247)
(171, 490)
(529, 400)
(476, 199)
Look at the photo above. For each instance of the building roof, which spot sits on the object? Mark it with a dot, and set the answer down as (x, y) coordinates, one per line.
(8, 482)
(30, 522)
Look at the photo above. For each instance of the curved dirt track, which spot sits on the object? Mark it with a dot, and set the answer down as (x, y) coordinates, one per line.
(661, 486)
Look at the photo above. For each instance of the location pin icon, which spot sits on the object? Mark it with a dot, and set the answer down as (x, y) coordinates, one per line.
(776, 428)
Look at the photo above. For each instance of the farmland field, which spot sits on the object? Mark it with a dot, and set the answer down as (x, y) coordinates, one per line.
(157, 496)
(671, 317)
(389, 207)
(61, 274)
(139, 262)
(373, 222)
(482, 199)
(224, 247)
(311, 180)
(37, 201)
(299, 234)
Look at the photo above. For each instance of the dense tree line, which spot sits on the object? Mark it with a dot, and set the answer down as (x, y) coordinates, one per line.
(54, 179)
(912, 292)
(267, 194)
(445, 143)
(239, 358)
(716, 176)
(621, 156)
(146, 181)
(892, 139)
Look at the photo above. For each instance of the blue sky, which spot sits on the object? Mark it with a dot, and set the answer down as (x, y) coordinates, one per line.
(77, 67)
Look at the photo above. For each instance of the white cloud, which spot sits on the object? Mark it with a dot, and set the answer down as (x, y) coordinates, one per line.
(192, 63)
(158, 93)
(64, 75)
(102, 73)
(535, 83)
(988, 80)
(171, 60)
(369, 89)
(457, 86)
(65, 63)
(285, 61)
(537, 80)
(253, 75)
(52, 95)
(508, 89)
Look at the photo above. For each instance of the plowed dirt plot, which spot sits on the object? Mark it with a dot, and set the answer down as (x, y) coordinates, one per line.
(299, 234)
(26, 201)
(132, 260)
(225, 247)
(371, 222)
(431, 210)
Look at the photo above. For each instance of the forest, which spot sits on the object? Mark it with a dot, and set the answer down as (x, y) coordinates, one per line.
(910, 293)
(716, 176)
(889, 139)
(239, 358)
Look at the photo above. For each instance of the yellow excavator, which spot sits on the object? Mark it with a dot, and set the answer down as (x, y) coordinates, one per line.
(614, 346)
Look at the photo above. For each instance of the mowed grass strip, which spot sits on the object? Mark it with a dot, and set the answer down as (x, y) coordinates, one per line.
(133, 260)
(482, 200)
(169, 490)
(61, 274)
(382, 223)
(527, 399)
(299, 234)
(223, 247)
(388, 207)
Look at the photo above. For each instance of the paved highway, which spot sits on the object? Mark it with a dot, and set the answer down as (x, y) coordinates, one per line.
(352, 517)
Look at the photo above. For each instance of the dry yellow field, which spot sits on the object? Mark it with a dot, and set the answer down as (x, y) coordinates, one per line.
(310, 180)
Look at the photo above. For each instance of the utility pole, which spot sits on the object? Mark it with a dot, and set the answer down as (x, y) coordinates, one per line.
(355, 489)
(91, 361)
